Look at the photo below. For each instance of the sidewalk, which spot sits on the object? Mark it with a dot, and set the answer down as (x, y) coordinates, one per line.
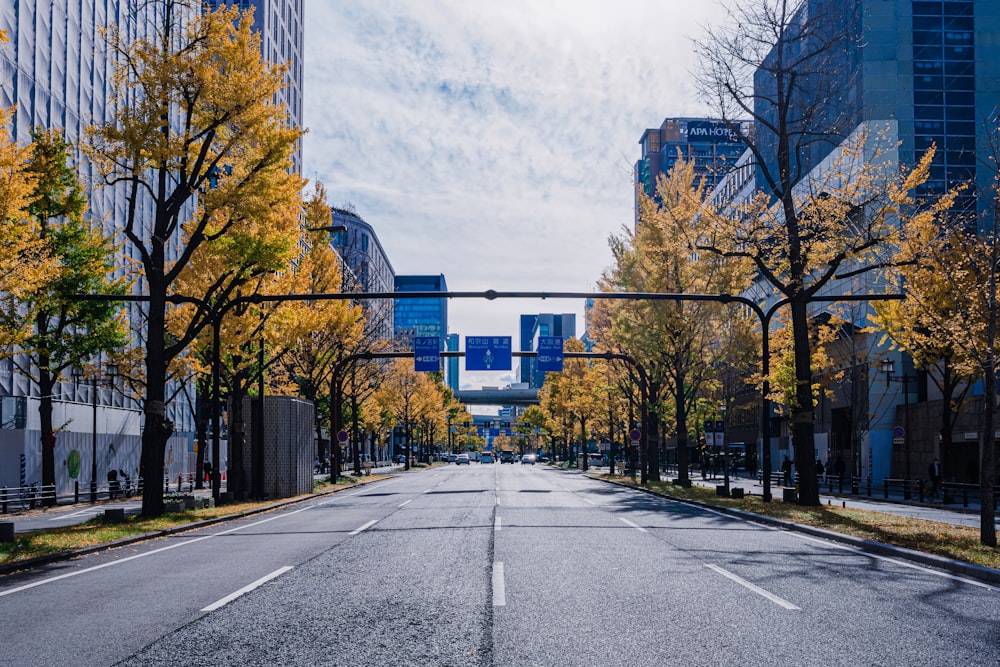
(71, 514)
(930, 511)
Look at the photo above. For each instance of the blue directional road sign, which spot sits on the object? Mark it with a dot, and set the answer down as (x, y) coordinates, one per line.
(427, 354)
(488, 353)
(550, 354)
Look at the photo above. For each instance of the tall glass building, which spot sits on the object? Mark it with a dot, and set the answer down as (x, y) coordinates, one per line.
(282, 34)
(423, 316)
(710, 143)
(533, 326)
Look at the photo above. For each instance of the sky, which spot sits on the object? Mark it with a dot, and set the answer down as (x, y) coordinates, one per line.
(494, 142)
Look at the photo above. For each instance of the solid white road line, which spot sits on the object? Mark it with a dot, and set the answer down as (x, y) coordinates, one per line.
(897, 561)
(407, 502)
(499, 593)
(246, 589)
(636, 526)
(75, 573)
(364, 527)
(753, 587)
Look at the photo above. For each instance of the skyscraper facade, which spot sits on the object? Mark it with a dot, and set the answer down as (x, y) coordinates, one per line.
(533, 326)
(366, 268)
(282, 41)
(58, 72)
(710, 143)
(421, 316)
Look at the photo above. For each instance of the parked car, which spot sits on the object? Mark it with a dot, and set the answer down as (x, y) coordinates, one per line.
(462, 458)
(400, 459)
(486, 457)
(528, 458)
(506, 456)
(452, 457)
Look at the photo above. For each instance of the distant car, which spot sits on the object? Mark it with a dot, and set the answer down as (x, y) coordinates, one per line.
(400, 459)
(486, 457)
(543, 459)
(528, 458)
(452, 457)
(462, 458)
(506, 456)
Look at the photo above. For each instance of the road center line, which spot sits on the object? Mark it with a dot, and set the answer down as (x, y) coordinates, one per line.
(407, 502)
(636, 526)
(753, 587)
(499, 592)
(246, 589)
(496, 523)
(364, 527)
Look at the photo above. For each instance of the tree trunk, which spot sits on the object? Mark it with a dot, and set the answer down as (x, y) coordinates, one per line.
(156, 429)
(802, 412)
(45, 386)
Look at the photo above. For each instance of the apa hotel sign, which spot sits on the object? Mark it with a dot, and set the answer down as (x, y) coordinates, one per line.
(715, 132)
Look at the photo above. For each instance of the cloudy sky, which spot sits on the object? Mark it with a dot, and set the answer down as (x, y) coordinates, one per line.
(492, 141)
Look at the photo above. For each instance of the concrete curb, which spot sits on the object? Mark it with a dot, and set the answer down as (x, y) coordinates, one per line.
(978, 572)
(18, 566)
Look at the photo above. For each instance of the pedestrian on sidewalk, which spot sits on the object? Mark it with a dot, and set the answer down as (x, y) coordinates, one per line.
(786, 471)
(934, 474)
(819, 470)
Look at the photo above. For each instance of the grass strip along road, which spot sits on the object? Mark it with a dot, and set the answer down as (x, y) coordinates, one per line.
(932, 537)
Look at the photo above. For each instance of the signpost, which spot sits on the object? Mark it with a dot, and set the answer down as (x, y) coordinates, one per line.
(550, 354)
(488, 353)
(427, 354)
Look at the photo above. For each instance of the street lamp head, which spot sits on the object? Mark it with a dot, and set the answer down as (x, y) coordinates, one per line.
(333, 229)
(111, 369)
(888, 367)
(76, 372)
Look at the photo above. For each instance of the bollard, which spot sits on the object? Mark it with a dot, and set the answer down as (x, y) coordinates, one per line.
(76, 492)
(180, 479)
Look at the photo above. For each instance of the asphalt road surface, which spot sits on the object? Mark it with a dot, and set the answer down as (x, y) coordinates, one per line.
(493, 565)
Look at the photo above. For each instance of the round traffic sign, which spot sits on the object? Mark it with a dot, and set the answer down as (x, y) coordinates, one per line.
(898, 432)
(634, 434)
(342, 436)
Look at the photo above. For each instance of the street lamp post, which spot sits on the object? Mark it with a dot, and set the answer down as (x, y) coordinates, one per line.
(725, 448)
(110, 372)
(888, 367)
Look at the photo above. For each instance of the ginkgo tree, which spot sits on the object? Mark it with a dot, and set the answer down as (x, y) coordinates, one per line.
(203, 152)
(675, 340)
(58, 329)
(24, 260)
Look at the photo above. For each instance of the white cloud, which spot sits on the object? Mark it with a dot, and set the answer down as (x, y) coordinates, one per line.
(493, 141)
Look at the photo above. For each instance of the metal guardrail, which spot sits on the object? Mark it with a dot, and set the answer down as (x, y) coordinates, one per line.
(18, 499)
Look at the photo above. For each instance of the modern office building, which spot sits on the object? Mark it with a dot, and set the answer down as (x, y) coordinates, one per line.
(533, 326)
(280, 24)
(920, 72)
(421, 316)
(57, 72)
(366, 269)
(712, 145)
(451, 364)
